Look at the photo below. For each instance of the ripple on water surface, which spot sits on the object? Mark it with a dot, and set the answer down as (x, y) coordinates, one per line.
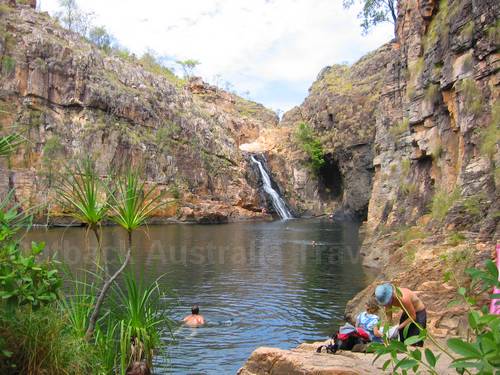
(256, 283)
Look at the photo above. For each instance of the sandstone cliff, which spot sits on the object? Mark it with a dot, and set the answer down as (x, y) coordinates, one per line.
(71, 100)
(410, 135)
(434, 203)
(341, 109)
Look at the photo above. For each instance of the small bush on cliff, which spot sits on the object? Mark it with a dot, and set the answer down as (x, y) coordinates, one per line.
(4, 9)
(400, 127)
(100, 37)
(8, 65)
(473, 100)
(152, 63)
(311, 145)
(491, 134)
(441, 203)
(432, 93)
(493, 33)
(455, 238)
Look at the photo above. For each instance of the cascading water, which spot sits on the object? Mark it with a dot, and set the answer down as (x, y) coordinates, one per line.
(278, 202)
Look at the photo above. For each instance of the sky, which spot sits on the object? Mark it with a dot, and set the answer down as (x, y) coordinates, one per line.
(269, 51)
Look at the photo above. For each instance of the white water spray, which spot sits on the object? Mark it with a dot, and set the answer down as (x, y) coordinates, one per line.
(278, 202)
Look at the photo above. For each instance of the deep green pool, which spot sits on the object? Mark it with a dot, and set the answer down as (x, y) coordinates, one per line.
(256, 283)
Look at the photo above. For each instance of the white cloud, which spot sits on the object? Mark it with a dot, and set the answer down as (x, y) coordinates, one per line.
(250, 43)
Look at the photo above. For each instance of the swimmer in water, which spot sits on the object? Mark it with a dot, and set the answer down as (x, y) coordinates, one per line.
(313, 243)
(195, 319)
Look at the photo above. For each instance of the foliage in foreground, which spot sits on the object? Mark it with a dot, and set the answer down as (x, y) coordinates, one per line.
(43, 332)
(480, 353)
(129, 331)
(42, 342)
(24, 279)
(131, 203)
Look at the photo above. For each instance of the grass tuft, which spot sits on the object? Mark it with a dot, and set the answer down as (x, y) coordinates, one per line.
(455, 239)
(473, 100)
(8, 65)
(491, 134)
(41, 342)
(441, 203)
(400, 128)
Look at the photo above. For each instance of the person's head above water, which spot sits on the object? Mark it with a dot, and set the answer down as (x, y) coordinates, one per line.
(195, 310)
(383, 294)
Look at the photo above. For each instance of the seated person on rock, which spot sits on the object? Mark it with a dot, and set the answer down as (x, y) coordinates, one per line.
(411, 305)
(195, 319)
(369, 321)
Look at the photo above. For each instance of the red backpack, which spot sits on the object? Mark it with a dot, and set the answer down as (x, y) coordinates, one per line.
(345, 339)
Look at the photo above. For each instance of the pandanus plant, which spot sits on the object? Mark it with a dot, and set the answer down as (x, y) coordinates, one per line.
(8, 143)
(130, 205)
(81, 193)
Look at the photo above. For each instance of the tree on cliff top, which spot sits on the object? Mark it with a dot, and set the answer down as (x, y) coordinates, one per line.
(74, 18)
(188, 66)
(374, 12)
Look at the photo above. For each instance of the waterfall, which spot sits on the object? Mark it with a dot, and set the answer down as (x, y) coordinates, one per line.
(278, 202)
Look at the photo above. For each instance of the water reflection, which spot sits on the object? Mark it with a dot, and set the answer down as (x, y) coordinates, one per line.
(256, 283)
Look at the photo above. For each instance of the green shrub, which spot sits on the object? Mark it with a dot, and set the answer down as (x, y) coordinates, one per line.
(472, 204)
(437, 151)
(473, 100)
(432, 93)
(408, 188)
(175, 191)
(493, 33)
(166, 132)
(491, 134)
(141, 313)
(151, 64)
(400, 127)
(411, 233)
(24, 279)
(456, 238)
(124, 54)
(4, 9)
(39, 342)
(468, 30)
(309, 143)
(405, 166)
(441, 203)
(8, 65)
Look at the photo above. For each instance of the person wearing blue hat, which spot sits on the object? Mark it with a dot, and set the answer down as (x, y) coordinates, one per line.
(407, 300)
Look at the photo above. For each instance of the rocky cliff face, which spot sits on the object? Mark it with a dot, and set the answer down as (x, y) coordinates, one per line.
(72, 100)
(341, 110)
(435, 198)
(412, 130)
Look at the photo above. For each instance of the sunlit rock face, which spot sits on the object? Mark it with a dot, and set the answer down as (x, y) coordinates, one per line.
(409, 131)
(436, 148)
(72, 100)
(341, 110)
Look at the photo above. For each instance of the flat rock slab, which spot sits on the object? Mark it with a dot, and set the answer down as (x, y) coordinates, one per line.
(305, 361)
(275, 361)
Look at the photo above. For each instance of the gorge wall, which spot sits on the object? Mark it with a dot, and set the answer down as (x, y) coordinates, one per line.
(72, 100)
(411, 134)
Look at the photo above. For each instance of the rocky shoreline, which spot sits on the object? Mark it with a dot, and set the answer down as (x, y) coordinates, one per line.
(304, 360)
